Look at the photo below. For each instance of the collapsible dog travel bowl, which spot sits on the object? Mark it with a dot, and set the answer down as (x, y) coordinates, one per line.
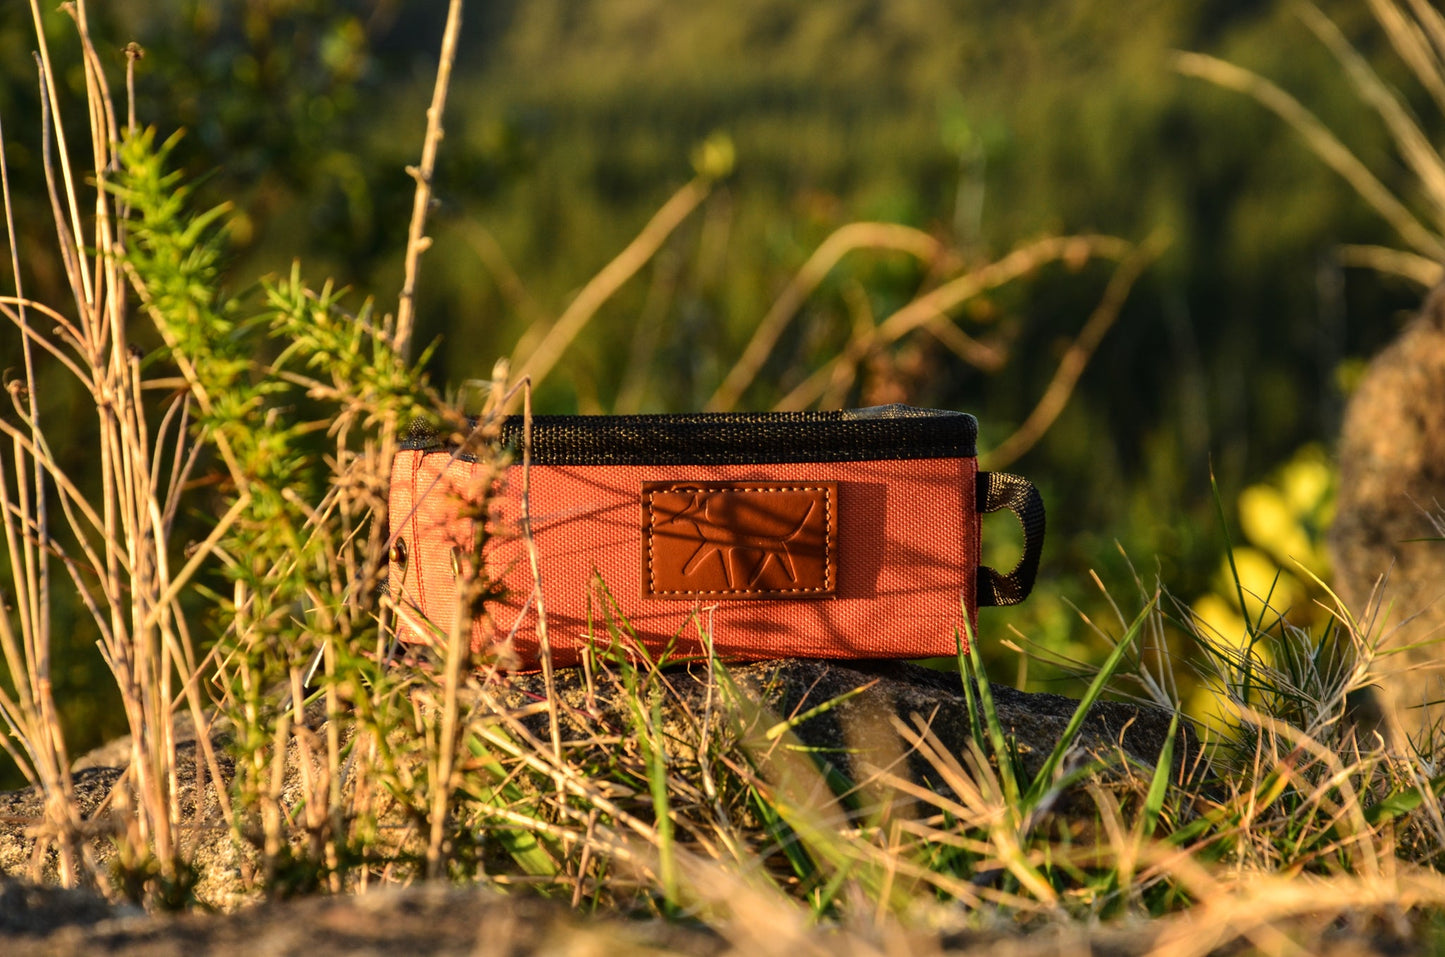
(848, 534)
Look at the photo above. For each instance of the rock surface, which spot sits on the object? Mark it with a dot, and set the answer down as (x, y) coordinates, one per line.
(861, 725)
(854, 735)
(439, 919)
(1391, 502)
(422, 919)
(432, 920)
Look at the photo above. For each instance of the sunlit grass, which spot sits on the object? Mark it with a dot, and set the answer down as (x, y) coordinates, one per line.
(622, 791)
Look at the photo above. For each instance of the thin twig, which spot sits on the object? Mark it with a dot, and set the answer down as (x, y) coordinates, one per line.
(1423, 271)
(417, 241)
(605, 284)
(1413, 145)
(921, 311)
(535, 558)
(1076, 359)
(50, 106)
(1320, 140)
(844, 240)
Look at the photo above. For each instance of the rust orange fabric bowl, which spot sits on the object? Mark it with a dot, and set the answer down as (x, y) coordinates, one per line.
(826, 535)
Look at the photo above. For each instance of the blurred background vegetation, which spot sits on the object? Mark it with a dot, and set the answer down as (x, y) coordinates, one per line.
(984, 124)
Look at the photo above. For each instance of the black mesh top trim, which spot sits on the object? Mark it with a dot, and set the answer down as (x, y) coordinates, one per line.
(735, 438)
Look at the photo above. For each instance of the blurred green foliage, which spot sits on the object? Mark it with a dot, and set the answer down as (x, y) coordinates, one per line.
(572, 121)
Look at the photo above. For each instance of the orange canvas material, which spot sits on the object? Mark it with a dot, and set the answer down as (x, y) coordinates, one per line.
(863, 558)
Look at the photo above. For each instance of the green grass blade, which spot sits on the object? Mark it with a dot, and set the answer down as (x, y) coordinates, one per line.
(783, 727)
(822, 900)
(1159, 784)
(1402, 802)
(1044, 781)
(1248, 678)
(968, 693)
(654, 753)
(521, 845)
(784, 839)
(1002, 752)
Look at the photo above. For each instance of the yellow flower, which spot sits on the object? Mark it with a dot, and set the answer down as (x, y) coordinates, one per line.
(1261, 579)
(1270, 523)
(1216, 618)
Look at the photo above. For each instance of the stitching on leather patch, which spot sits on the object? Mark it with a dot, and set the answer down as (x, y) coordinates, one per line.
(739, 539)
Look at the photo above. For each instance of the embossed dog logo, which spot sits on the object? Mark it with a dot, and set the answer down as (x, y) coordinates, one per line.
(724, 531)
(738, 539)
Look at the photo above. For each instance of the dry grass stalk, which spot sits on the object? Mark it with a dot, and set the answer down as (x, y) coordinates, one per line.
(1076, 358)
(121, 567)
(842, 241)
(118, 549)
(1417, 36)
(1421, 271)
(31, 715)
(417, 240)
(1320, 140)
(534, 362)
(940, 301)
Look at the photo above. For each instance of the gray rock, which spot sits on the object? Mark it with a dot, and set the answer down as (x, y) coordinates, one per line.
(852, 738)
(424, 919)
(1392, 494)
(1035, 721)
(21, 810)
(439, 921)
(859, 732)
(30, 910)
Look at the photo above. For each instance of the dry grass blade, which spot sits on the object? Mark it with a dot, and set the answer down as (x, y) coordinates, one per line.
(535, 362)
(417, 240)
(1432, 22)
(844, 240)
(1351, 809)
(1077, 357)
(1411, 42)
(1415, 148)
(534, 559)
(509, 284)
(1253, 906)
(123, 540)
(41, 761)
(1393, 262)
(939, 302)
(1319, 139)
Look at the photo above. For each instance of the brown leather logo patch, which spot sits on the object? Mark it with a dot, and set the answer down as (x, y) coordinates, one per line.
(739, 539)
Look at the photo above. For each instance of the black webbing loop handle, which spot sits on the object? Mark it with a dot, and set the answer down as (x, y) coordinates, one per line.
(999, 490)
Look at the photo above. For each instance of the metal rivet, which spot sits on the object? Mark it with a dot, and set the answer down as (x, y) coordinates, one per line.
(397, 554)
